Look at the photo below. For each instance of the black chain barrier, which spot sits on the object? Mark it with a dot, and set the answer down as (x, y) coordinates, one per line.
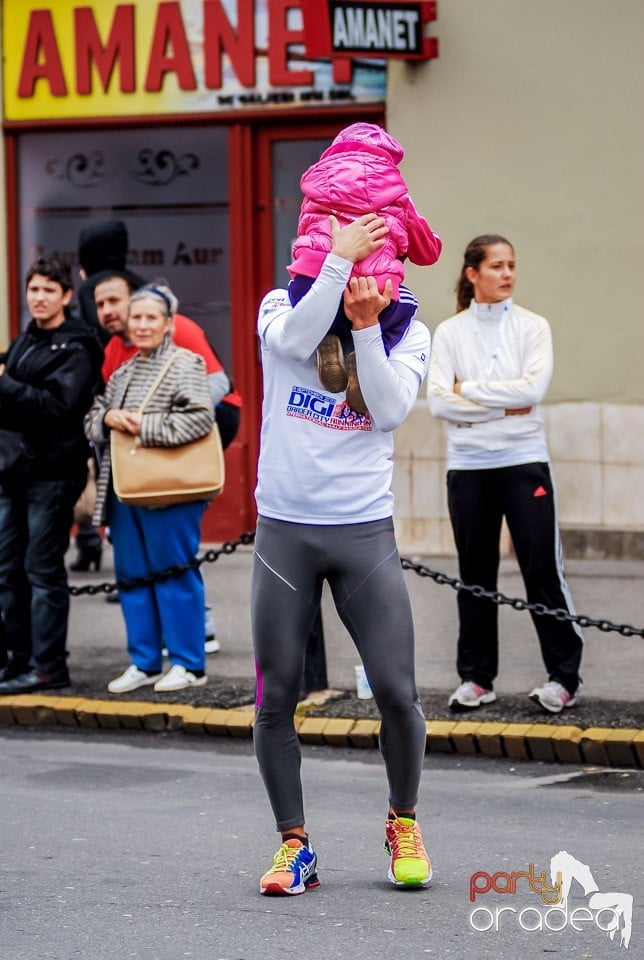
(495, 596)
(91, 589)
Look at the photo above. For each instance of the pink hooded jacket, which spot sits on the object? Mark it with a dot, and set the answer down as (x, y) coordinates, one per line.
(359, 174)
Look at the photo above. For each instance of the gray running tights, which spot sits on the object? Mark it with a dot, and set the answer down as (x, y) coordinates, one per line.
(360, 561)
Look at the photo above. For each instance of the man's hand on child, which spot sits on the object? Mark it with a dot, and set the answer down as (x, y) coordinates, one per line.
(363, 301)
(359, 238)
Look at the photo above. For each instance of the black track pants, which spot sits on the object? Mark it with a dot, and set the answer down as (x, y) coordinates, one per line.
(362, 566)
(478, 500)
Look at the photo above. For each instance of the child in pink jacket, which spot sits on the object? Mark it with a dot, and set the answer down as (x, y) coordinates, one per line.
(359, 174)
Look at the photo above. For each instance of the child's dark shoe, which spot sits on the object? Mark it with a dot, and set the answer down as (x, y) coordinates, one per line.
(331, 368)
(355, 400)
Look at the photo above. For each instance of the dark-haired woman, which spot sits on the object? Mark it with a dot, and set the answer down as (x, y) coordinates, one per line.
(490, 367)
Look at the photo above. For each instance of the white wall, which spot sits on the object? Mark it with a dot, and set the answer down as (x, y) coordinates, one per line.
(598, 465)
(529, 125)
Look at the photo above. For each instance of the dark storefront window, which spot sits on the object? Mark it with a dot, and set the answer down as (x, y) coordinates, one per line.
(169, 185)
(290, 158)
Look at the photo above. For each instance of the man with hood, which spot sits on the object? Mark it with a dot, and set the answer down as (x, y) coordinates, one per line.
(102, 253)
(47, 382)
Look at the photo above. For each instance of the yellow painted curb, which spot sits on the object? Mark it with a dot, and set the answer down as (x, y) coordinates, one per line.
(336, 731)
(311, 729)
(65, 709)
(240, 723)
(153, 718)
(489, 740)
(133, 714)
(593, 746)
(514, 741)
(6, 713)
(567, 744)
(85, 715)
(620, 748)
(173, 717)
(216, 722)
(462, 736)
(364, 733)
(106, 713)
(30, 709)
(539, 741)
(605, 746)
(438, 732)
(638, 747)
(193, 719)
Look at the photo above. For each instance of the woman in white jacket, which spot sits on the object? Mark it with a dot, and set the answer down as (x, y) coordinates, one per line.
(490, 367)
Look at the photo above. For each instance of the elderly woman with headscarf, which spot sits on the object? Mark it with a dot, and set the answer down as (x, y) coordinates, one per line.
(146, 540)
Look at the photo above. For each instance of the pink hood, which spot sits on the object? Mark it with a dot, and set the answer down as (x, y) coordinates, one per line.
(359, 174)
(371, 135)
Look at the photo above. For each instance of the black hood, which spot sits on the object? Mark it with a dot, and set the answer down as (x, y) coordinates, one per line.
(103, 245)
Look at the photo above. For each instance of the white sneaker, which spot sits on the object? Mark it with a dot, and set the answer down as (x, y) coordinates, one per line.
(469, 696)
(209, 623)
(178, 678)
(554, 697)
(132, 679)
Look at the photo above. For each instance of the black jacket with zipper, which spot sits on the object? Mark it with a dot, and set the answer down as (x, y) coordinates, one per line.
(47, 388)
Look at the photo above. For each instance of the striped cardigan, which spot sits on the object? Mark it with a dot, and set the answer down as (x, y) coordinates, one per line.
(180, 410)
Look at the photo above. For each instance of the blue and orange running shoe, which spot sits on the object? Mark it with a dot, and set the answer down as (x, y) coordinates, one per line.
(410, 865)
(293, 871)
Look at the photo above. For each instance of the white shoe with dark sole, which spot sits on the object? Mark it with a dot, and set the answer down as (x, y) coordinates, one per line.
(132, 679)
(469, 696)
(178, 678)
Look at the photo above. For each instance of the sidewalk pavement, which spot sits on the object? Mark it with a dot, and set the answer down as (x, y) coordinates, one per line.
(612, 668)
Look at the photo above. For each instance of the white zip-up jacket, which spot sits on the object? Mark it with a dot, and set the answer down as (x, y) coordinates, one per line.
(502, 356)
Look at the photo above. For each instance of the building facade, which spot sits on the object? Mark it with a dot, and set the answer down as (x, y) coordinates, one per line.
(192, 122)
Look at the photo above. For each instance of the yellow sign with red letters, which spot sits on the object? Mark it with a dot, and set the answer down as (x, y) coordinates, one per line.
(72, 59)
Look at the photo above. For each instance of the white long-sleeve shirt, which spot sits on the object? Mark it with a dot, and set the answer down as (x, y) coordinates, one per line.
(502, 356)
(319, 461)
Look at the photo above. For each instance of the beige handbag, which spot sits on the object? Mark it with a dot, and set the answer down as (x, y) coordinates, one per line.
(162, 476)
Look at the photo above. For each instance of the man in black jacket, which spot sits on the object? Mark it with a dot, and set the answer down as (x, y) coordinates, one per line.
(47, 381)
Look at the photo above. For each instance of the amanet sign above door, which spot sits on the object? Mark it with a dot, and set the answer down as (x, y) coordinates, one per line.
(387, 28)
(69, 59)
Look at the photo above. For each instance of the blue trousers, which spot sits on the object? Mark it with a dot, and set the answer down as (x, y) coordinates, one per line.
(170, 613)
(35, 519)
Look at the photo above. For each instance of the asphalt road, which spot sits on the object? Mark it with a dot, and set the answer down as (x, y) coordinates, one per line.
(151, 848)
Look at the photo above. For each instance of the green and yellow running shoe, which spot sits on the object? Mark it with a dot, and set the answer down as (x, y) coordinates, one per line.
(410, 865)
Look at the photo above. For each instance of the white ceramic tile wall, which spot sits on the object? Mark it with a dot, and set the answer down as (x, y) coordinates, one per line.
(623, 434)
(598, 460)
